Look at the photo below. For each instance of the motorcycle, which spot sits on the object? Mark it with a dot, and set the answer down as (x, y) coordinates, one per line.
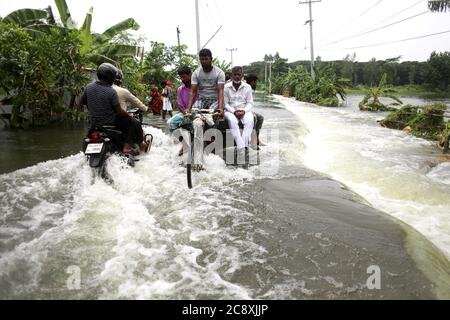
(103, 141)
(194, 161)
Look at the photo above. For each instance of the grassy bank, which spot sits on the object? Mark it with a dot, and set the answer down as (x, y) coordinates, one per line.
(410, 90)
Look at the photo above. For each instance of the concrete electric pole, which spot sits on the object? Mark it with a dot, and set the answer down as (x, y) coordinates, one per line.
(231, 50)
(179, 45)
(313, 75)
(197, 20)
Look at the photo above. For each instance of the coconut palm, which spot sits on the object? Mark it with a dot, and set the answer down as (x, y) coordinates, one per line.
(371, 101)
(439, 5)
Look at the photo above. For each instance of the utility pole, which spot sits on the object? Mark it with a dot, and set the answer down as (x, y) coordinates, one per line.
(197, 20)
(178, 37)
(265, 72)
(268, 73)
(270, 76)
(231, 50)
(313, 75)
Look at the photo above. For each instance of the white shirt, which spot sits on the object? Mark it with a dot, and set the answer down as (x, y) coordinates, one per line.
(240, 99)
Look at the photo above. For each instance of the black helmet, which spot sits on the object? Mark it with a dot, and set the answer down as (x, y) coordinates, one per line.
(107, 72)
(119, 75)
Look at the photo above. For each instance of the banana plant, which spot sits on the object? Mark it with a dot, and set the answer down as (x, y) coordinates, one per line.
(371, 101)
(25, 17)
(439, 5)
(97, 47)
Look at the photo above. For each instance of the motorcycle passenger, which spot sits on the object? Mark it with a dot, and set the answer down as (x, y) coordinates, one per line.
(126, 96)
(239, 105)
(104, 108)
(252, 80)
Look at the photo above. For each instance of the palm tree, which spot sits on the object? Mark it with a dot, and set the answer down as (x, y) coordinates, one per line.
(439, 5)
(371, 101)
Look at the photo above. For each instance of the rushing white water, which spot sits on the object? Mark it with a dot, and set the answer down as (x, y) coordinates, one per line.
(145, 236)
(402, 175)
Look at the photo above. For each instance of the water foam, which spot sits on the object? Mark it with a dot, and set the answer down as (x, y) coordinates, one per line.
(387, 167)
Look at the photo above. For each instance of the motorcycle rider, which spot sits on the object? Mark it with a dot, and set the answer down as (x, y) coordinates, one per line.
(104, 108)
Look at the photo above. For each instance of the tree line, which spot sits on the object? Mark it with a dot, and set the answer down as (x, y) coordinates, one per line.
(435, 72)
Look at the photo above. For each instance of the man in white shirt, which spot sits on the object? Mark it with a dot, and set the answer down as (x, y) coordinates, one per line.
(238, 105)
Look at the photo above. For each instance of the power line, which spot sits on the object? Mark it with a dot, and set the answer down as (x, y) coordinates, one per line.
(205, 8)
(390, 17)
(373, 30)
(218, 11)
(345, 25)
(396, 14)
(390, 42)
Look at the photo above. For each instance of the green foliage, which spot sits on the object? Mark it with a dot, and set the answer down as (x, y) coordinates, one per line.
(25, 17)
(133, 78)
(323, 90)
(162, 62)
(427, 122)
(372, 102)
(439, 70)
(37, 73)
(400, 118)
(223, 65)
(157, 63)
(364, 73)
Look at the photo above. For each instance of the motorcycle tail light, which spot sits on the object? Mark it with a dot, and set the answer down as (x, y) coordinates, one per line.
(95, 136)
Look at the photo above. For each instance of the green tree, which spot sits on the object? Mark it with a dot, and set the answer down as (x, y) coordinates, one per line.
(37, 73)
(439, 70)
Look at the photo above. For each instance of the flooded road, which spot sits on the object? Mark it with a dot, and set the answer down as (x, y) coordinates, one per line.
(280, 230)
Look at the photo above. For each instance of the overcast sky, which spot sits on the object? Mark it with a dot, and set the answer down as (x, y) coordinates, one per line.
(258, 27)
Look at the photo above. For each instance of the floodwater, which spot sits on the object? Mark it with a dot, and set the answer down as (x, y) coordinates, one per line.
(286, 229)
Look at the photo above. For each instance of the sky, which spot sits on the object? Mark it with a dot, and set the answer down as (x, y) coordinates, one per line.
(259, 27)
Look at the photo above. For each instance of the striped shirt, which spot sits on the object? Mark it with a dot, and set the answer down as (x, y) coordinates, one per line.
(102, 102)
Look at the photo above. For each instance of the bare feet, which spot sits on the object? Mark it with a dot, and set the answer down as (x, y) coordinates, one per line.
(127, 148)
(143, 147)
